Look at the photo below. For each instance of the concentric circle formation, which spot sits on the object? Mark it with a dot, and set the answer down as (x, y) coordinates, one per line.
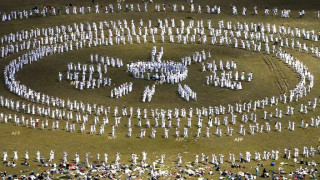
(185, 92)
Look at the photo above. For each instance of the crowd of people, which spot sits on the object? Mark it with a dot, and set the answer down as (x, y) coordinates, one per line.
(139, 166)
(186, 92)
(77, 116)
(122, 90)
(167, 71)
(172, 72)
(238, 35)
(191, 7)
(101, 69)
(227, 78)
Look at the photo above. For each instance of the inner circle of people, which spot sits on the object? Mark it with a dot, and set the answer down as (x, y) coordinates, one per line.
(42, 111)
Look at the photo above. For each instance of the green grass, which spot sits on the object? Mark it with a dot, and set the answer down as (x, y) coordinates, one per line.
(42, 76)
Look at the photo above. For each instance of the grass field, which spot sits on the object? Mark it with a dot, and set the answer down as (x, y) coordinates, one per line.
(42, 76)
